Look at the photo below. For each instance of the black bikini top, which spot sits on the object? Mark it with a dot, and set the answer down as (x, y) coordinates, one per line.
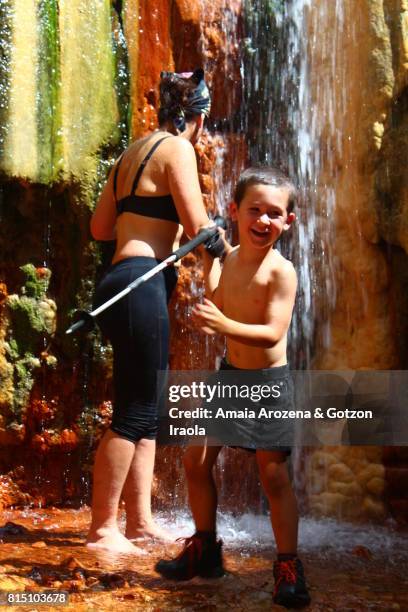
(158, 207)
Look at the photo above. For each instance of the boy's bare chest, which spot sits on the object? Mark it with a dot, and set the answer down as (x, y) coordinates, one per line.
(246, 294)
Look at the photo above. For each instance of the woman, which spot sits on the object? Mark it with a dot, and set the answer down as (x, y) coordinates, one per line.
(151, 195)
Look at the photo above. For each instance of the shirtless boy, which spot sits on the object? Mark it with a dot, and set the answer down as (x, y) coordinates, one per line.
(251, 303)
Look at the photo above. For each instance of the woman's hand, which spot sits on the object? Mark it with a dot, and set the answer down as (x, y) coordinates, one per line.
(222, 240)
(209, 318)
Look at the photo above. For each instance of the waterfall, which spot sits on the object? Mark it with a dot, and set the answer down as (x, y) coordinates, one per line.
(283, 127)
(315, 87)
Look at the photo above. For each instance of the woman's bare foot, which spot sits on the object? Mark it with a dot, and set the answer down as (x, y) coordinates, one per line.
(148, 531)
(113, 541)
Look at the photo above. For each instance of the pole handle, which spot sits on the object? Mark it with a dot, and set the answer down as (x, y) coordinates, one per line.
(85, 319)
(201, 237)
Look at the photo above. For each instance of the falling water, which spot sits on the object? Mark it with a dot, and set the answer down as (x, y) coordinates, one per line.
(287, 110)
(227, 93)
(219, 60)
(281, 92)
(94, 350)
(63, 83)
(5, 35)
(284, 125)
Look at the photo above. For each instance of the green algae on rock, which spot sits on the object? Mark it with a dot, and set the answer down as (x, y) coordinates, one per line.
(58, 115)
(20, 155)
(31, 318)
(37, 280)
(48, 83)
(89, 112)
(31, 313)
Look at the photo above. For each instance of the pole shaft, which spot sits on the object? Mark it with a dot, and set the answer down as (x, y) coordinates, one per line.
(133, 285)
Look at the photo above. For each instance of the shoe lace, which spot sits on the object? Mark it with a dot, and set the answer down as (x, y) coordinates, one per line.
(285, 571)
(192, 545)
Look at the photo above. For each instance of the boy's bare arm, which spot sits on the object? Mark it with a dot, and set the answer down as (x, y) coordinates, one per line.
(278, 313)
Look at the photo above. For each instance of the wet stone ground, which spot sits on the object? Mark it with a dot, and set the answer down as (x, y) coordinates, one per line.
(349, 568)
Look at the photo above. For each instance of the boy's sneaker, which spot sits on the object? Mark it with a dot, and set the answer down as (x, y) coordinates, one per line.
(198, 558)
(290, 586)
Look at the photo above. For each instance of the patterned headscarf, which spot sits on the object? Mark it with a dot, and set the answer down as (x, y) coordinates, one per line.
(198, 102)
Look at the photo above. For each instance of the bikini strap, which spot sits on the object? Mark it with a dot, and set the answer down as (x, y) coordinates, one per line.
(144, 162)
(115, 176)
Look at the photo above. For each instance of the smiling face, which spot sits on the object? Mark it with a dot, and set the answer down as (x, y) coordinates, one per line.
(262, 215)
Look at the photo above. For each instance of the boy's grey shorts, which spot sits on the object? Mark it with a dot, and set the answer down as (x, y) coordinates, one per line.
(259, 432)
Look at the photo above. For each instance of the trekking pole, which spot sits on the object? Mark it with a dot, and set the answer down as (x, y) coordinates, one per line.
(86, 319)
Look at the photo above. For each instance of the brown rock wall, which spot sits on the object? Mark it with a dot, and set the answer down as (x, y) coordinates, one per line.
(186, 35)
(69, 405)
(363, 142)
(150, 52)
(364, 163)
(182, 36)
(361, 74)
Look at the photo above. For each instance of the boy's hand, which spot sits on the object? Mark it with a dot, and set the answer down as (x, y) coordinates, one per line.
(209, 318)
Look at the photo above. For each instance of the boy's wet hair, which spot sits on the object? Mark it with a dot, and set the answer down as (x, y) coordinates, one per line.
(265, 175)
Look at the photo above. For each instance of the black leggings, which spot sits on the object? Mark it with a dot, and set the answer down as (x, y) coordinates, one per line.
(138, 329)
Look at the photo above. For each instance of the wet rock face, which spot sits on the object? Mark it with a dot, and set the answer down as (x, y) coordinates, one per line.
(57, 115)
(60, 131)
(347, 483)
(29, 320)
(183, 37)
(395, 461)
(150, 52)
(369, 323)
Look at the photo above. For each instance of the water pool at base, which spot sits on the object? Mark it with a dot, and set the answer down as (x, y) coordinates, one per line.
(348, 567)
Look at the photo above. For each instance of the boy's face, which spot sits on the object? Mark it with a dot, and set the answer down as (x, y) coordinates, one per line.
(262, 215)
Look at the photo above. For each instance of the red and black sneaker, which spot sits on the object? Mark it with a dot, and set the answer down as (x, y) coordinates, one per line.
(199, 557)
(290, 585)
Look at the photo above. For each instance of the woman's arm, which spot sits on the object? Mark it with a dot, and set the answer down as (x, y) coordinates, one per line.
(212, 274)
(103, 220)
(182, 174)
(213, 278)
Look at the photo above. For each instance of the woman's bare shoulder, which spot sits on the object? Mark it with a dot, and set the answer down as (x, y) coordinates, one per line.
(176, 144)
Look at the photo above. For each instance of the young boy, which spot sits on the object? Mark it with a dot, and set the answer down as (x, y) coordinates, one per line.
(251, 303)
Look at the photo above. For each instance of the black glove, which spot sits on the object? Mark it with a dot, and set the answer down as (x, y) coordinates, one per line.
(215, 245)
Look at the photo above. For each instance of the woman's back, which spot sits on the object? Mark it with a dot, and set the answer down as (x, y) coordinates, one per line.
(141, 233)
(170, 171)
(153, 180)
